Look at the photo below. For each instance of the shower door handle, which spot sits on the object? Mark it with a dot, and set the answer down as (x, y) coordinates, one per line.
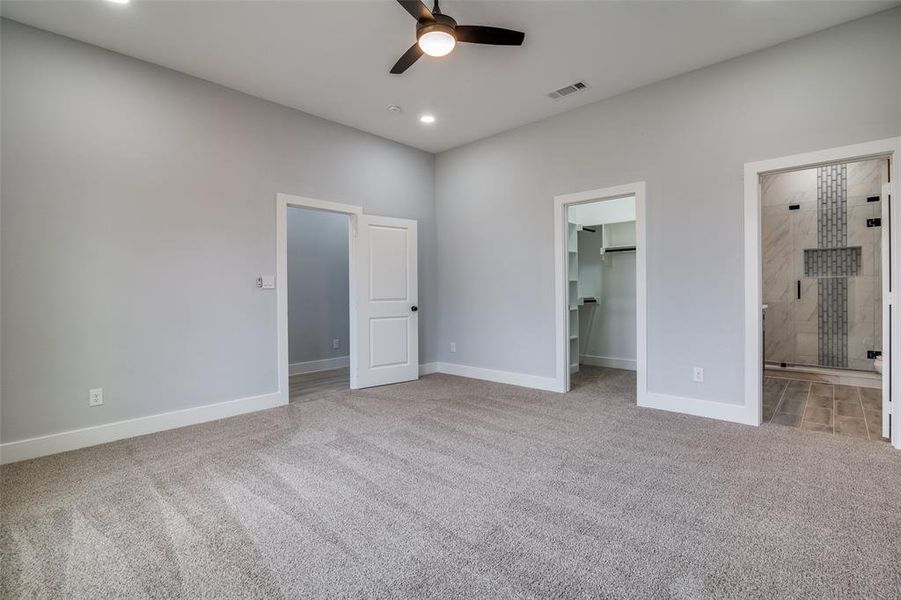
(799, 289)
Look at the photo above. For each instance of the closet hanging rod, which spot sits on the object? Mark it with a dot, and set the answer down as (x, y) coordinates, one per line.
(619, 249)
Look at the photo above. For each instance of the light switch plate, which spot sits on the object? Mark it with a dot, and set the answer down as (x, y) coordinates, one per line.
(266, 282)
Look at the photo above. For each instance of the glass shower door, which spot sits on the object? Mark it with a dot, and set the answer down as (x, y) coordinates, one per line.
(779, 285)
(821, 233)
(805, 308)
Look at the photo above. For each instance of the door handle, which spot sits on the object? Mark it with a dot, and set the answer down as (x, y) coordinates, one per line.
(414, 308)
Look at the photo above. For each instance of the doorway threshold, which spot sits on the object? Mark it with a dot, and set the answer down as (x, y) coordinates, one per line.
(865, 379)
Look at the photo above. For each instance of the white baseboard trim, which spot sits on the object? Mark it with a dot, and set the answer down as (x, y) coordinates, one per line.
(520, 379)
(735, 413)
(428, 368)
(11, 452)
(608, 361)
(313, 366)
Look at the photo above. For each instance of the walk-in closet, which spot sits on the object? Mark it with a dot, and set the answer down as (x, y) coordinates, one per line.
(602, 291)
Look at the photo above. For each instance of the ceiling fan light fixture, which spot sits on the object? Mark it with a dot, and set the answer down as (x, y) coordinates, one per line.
(437, 39)
(437, 34)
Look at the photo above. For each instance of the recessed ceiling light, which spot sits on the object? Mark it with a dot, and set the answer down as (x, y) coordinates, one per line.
(119, 1)
(427, 119)
(394, 108)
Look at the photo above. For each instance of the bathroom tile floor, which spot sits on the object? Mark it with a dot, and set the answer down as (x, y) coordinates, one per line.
(823, 407)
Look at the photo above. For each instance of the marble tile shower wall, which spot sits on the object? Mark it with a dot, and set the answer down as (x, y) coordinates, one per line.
(793, 325)
(865, 180)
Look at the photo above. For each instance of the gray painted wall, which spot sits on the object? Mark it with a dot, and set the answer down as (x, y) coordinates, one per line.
(138, 210)
(688, 138)
(318, 300)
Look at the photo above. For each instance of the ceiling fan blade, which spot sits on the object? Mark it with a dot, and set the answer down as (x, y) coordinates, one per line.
(496, 36)
(417, 9)
(406, 61)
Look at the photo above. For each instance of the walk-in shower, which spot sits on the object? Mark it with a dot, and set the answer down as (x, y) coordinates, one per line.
(821, 234)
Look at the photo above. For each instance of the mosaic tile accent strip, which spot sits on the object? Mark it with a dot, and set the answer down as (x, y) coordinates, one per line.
(832, 206)
(832, 262)
(833, 321)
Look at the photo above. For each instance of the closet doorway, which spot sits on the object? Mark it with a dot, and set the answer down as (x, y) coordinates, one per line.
(601, 288)
(318, 286)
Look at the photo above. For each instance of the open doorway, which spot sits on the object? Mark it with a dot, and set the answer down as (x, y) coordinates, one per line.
(601, 259)
(821, 233)
(821, 229)
(601, 305)
(318, 302)
(382, 292)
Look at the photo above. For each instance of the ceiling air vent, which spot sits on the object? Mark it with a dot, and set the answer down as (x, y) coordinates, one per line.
(568, 90)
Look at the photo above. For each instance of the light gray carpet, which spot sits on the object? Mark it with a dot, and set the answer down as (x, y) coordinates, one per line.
(453, 488)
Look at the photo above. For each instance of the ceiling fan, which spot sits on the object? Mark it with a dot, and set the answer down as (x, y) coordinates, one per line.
(437, 34)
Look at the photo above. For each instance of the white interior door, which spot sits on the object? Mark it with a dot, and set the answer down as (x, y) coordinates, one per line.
(887, 309)
(386, 294)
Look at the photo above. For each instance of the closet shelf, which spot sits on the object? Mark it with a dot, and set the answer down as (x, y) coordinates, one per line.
(617, 249)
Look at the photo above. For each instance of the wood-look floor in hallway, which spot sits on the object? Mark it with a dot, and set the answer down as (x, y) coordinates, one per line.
(309, 386)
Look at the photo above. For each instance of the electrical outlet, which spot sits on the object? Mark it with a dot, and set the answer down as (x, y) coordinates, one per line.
(699, 375)
(453, 346)
(336, 343)
(95, 397)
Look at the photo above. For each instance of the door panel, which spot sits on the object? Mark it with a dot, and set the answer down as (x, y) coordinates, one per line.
(387, 294)
(388, 263)
(388, 341)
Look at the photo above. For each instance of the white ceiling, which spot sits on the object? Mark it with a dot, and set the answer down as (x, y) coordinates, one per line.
(331, 58)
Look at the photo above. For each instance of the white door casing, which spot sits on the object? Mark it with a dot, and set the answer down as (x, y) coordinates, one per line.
(387, 317)
(887, 307)
(561, 286)
(282, 203)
